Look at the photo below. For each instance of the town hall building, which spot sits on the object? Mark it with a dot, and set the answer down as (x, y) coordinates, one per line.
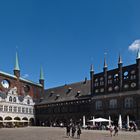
(108, 93)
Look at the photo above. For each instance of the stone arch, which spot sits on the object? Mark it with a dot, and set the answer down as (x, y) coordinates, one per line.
(25, 118)
(31, 121)
(17, 122)
(8, 122)
(17, 118)
(8, 118)
(1, 119)
(25, 121)
(1, 123)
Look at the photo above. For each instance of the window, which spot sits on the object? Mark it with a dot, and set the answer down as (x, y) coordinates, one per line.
(133, 75)
(19, 109)
(5, 84)
(96, 82)
(110, 89)
(6, 108)
(113, 103)
(116, 77)
(133, 85)
(15, 109)
(23, 110)
(126, 86)
(10, 108)
(101, 81)
(96, 90)
(1, 107)
(102, 90)
(125, 75)
(128, 102)
(14, 99)
(26, 110)
(10, 99)
(30, 110)
(116, 88)
(98, 105)
(109, 81)
(28, 101)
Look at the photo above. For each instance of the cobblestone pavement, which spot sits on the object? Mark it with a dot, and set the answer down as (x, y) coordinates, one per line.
(44, 133)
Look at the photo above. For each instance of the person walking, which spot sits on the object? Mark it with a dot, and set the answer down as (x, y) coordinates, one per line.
(78, 132)
(73, 130)
(111, 130)
(116, 130)
(68, 130)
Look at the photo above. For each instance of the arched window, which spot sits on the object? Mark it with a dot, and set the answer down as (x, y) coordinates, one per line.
(128, 102)
(10, 99)
(101, 81)
(113, 103)
(98, 105)
(14, 99)
(116, 77)
(28, 101)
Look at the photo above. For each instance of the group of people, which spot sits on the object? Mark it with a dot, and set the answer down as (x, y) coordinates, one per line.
(113, 129)
(71, 129)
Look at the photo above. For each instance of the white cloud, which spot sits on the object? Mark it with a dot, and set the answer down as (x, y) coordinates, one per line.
(25, 76)
(135, 45)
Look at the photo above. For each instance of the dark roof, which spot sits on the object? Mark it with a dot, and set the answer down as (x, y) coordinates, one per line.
(68, 92)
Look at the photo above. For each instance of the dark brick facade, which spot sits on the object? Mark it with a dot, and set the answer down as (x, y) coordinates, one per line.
(109, 93)
(24, 87)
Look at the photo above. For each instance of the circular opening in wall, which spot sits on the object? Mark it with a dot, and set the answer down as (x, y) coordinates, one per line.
(26, 88)
(5, 83)
(126, 73)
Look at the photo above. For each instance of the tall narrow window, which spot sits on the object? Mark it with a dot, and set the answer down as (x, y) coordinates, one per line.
(98, 105)
(113, 103)
(128, 102)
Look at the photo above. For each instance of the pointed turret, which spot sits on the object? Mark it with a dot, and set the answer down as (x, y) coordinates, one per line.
(105, 74)
(41, 74)
(91, 79)
(138, 54)
(41, 80)
(91, 68)
(105, 63)
(120, 64)
(138, 67)
(120, 59)
(17, 69)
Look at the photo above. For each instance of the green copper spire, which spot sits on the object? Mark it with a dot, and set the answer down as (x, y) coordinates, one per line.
(105, 63)
(17, 63)
(41, 74)
(120, 59)
(138, 54)
(91, 68)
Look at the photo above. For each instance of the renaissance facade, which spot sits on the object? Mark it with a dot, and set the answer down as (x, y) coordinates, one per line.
(18, 97)
(14, 108)
(109, 93)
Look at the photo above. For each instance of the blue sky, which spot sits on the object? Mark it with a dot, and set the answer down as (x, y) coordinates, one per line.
(66, 36)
